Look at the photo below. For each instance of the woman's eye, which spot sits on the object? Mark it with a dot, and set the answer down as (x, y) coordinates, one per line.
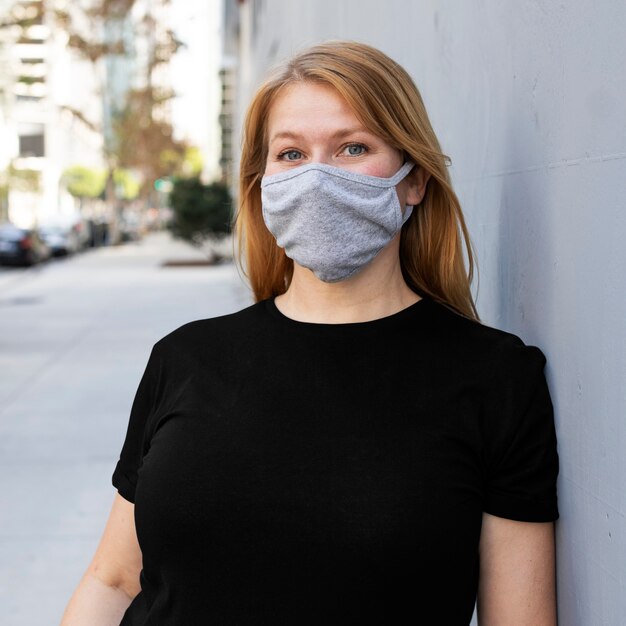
(290, 155)
(355, 149)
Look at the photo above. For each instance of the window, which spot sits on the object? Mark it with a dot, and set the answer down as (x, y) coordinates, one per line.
(32, 140)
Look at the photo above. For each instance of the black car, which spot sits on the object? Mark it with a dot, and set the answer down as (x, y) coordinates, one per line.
(21, 246)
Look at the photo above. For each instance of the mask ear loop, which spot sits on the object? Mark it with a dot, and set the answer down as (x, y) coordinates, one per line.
(408, 210)
(403, 172)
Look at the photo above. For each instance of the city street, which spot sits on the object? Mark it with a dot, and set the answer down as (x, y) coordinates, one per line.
(75, 335)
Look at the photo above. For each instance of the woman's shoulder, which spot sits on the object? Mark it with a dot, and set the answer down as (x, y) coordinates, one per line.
(210, 330)
(482, 338)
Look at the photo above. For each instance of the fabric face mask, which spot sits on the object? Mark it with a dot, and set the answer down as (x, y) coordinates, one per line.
(331, 220)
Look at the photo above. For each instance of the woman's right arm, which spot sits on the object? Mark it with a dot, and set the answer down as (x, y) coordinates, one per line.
(112, 578)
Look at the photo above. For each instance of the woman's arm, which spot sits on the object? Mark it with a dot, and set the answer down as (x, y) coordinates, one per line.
(517, 573)
(112, 578)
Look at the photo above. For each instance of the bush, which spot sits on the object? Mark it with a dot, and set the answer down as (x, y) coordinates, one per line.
(200, 211)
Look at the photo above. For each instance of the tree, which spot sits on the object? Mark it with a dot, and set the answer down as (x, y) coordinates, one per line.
(97, 31)
(84, 182)
(126, 184)
(144, 142)
(89, 29)
(201, 212)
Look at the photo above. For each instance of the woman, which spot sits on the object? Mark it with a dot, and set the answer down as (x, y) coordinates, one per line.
(355, 447)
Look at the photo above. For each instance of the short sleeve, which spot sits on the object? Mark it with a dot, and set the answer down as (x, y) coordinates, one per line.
(142, 412)
(521, 458)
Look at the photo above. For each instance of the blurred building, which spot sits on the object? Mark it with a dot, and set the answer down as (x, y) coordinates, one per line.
(147, 27)
(204, 75)
(57, 107)
(46, 101)
(8, 136)
(194, 77)
(228, 84)
(118, 73)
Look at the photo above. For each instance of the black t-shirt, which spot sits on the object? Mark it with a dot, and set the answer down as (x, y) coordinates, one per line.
(295, 473)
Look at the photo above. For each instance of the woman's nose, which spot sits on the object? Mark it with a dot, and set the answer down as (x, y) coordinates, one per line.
(321, 155)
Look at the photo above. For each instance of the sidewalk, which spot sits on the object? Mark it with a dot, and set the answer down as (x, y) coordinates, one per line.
(75, 335)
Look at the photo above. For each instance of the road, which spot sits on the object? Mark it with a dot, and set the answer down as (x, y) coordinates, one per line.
(75, 335)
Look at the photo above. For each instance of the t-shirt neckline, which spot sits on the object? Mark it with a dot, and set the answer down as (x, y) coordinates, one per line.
(377, 324)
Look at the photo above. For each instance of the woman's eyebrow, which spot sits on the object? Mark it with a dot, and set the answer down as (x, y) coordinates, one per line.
(342, 132)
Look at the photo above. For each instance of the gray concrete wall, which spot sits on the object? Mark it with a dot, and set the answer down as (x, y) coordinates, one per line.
(529, 100)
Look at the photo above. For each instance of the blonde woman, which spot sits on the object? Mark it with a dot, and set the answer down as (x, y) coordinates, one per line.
(356, 447)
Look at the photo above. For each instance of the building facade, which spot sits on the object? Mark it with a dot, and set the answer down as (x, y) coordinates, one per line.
(58, 105)
(47, 99)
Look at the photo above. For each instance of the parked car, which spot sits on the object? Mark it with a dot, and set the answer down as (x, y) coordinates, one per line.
(98, 230)
(129, 227)
(81, 227)
(21, 246)
(62, 239)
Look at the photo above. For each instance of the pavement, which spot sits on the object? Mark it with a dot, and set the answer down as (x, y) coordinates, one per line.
(75, 335)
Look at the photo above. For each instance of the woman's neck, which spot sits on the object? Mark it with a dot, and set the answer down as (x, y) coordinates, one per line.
(376, 291)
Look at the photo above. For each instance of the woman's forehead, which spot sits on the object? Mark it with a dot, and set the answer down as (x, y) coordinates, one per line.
(305, 106)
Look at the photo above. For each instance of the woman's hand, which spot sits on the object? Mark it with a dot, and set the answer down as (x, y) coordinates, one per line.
(517, 573)
(112, 578)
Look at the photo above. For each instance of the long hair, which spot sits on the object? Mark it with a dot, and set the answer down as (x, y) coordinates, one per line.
(386, 101)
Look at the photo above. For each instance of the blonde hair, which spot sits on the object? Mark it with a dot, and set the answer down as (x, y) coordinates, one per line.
(386, 101)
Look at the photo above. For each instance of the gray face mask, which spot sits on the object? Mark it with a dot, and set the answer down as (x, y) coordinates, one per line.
(331, 220)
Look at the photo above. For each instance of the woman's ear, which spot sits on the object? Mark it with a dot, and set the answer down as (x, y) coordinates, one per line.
(416, 180)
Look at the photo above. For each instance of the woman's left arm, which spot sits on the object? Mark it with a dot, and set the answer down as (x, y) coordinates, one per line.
(517, 583)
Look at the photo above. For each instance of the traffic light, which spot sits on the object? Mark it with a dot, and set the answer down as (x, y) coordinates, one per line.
(163, 184)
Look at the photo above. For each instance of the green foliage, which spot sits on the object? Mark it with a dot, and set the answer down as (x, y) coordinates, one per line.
(143, 142)
(4, 194)
(84, 182)
(200, 211)
(126, 184)
(193, 162)
(26, 180)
